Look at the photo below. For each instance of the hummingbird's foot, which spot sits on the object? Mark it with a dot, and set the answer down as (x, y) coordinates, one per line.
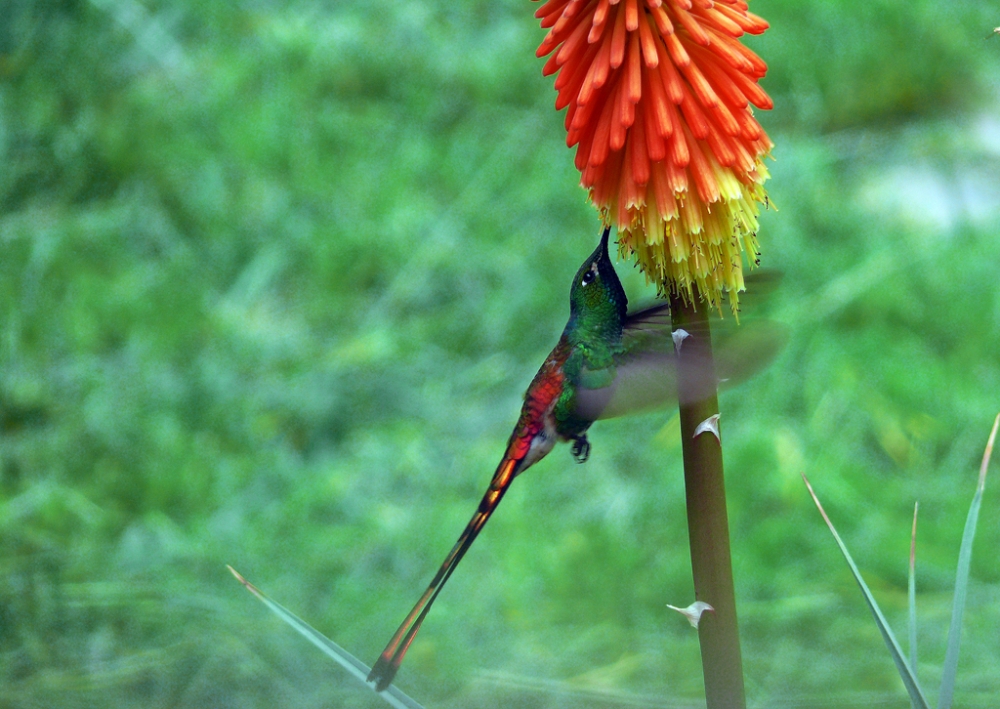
(581, 449)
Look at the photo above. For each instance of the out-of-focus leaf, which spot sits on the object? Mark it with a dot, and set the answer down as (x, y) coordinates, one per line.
(911, 592)
(962, 580)
(905, 672)
(342, 657)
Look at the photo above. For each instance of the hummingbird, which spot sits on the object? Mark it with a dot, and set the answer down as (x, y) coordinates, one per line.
(607, 362)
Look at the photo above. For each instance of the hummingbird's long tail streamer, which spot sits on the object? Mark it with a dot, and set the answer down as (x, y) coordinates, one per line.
(386, 666)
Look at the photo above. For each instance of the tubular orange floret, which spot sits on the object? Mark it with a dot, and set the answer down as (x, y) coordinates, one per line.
(724, 117)
(618, 39)
(696, 120)
(639, 155)
(669, 75)
(602, 134)
(701, 171)
(624, 116)
(695, 30)
(679, 155)
(658, 96)
(573, 86)
(649, 53)
(631, 15)
(702, 89)
(723, 151)
(572, 43)
(724, 86)
(657, 105)
(663, 23)
(550, 12)
(715, 19)
(676, 49)
(600, 13)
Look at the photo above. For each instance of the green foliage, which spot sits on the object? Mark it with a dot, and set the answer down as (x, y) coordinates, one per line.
(841, 64)
(907, 669)
(273, 276)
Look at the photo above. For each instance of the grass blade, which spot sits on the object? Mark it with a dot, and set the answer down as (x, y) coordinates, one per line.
(356, 667)
(911, 592)
(905, 672)
(962, 581)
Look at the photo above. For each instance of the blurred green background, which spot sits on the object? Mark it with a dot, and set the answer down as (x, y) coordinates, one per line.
(274, 275)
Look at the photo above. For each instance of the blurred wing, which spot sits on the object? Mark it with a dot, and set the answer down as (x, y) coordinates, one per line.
(642, 381)
(741, 352)
(760, 285)
(655, 318)
(645, 376)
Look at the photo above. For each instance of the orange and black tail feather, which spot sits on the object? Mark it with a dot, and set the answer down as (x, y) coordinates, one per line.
(388, 662)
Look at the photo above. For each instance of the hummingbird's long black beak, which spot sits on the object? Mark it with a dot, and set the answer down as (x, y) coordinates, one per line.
(604, 241)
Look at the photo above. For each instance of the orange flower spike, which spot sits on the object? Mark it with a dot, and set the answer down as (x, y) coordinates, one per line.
(658, 96)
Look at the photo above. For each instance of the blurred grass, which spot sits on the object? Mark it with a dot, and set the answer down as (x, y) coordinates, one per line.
(273, 276)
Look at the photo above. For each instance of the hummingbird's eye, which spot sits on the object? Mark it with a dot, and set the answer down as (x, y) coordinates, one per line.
(588, 278)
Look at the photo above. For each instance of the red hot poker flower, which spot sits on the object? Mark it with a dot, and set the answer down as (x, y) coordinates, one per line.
(658, 96)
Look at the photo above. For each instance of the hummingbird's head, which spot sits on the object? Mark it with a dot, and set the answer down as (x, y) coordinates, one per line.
(597, 294)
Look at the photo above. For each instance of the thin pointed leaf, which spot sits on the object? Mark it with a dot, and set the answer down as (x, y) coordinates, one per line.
(911, 592)
(905, 672)
(356, 667)
(962, 581)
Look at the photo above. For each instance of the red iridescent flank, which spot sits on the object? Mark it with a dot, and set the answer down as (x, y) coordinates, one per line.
(543, 392)
(659, 97)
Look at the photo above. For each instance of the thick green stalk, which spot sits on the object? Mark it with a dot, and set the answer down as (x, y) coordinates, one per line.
(708, 523)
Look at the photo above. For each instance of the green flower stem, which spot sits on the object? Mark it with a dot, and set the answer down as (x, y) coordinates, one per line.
(708, 523)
